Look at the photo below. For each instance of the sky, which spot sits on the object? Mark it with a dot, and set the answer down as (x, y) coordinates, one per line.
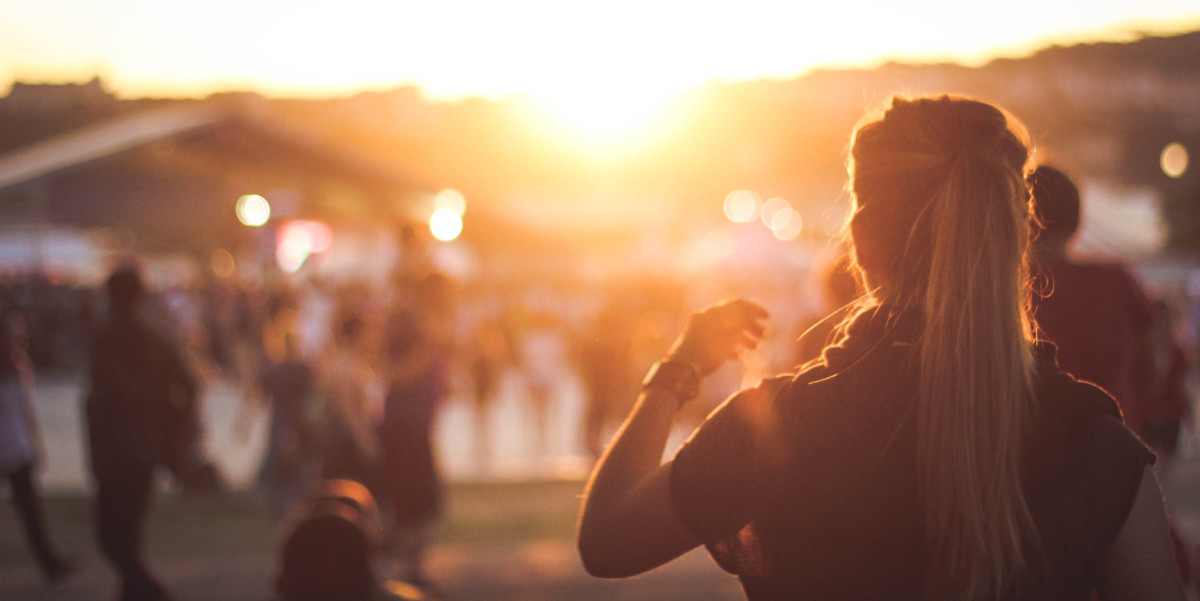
(563, 51)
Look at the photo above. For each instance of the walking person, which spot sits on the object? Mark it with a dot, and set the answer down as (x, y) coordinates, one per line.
(141, 414)
(935, 452)
(290, 469)
(21, 447)
(418, 347)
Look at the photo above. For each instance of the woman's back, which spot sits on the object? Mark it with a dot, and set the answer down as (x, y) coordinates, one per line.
(827, 480)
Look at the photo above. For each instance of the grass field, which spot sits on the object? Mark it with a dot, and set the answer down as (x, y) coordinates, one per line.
(500, 540)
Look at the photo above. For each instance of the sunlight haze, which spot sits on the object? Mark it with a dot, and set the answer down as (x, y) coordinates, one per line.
(601, 70)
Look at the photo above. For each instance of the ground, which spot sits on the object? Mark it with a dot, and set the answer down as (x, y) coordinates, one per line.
(500, 541)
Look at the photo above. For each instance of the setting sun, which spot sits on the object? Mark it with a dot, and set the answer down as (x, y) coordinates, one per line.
(604, 117)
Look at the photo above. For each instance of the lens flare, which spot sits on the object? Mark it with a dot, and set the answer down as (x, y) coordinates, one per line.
(1174, 160)
(604, 116)
(445, 224)
(741, 206)
(786, 224)
(450, 199)
(299, 239)
(772, 207)
(222, 263)
(253, 210)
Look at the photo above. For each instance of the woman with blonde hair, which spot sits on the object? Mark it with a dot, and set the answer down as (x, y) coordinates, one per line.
(935, 452)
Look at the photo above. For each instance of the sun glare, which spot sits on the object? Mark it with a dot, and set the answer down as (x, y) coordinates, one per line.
(604, 117)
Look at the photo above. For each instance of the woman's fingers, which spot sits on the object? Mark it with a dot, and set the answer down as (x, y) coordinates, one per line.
(720, 332)
(749, 341)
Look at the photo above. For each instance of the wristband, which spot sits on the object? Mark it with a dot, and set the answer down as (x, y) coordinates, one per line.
(679, 378)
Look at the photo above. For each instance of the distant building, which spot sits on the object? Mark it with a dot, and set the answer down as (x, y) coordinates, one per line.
(49, 98)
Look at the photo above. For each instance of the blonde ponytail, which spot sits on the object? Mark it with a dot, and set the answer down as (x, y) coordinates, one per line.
(947, 174)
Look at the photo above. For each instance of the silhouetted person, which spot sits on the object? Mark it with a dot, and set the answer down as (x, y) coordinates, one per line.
(350, 445)
(1095, 313)
(542, 345)
(487, 357)
(330, 551)
(417, 349)
(141, 414)
(606, 366)
(1166, 403)
(291, 465)
(21, 444)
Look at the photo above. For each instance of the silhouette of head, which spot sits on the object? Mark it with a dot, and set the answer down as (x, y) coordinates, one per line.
(125, 290)
(327, 556)
(1055, 204)
(934, 173)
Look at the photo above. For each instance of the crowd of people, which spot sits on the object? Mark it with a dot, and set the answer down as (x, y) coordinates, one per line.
(927, 447)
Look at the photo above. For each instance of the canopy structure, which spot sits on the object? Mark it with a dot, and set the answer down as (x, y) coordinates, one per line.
(172, 171)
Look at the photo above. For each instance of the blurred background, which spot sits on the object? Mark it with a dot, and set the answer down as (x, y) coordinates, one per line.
(585, 174)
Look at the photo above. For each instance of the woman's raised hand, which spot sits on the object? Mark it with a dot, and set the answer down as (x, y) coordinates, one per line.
(718, 333)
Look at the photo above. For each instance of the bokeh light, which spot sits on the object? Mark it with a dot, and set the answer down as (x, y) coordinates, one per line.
(741, 206)
(1174, 160)
(222, 263)
(786, 224)
(319, 233)
(253, 210)
(450, 199)
(299, 239)
(772, 207)
(445, 224)
(292, 247)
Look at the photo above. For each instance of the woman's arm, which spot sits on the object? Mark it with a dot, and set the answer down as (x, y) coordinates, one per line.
(1141, 563)
(628, 524)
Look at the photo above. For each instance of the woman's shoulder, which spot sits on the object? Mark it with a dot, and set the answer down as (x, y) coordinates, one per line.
(1082, 455)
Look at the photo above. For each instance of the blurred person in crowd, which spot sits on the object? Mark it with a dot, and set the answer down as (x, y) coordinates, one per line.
(350, 391)
(141, 410)
(332, 548)
(291, 466)
(487, 356)
(1095, 313)
(417, 349)
(542, 346)
(935, 452)
(606, 364)
(1107, 330)
(21, 447)
(1167, 404)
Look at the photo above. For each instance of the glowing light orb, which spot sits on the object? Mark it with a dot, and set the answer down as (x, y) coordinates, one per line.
(741, 206)
(604, 116)
(1174, 160)
(253, 210)
(786, 224)
(299, 239)
(445, 224)
(222, 263)
(772, 207)
(450, 199)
